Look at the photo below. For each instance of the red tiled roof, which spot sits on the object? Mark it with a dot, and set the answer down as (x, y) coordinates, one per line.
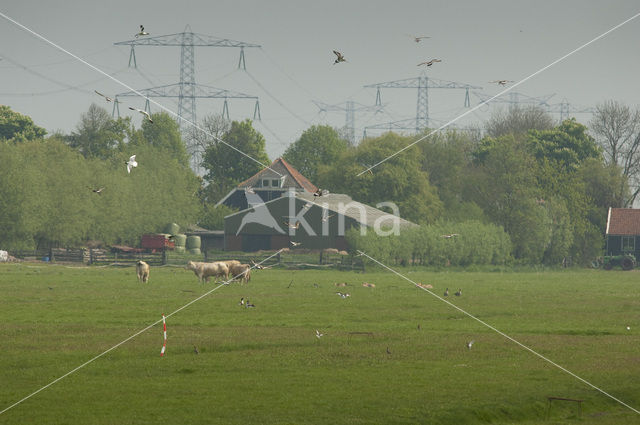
(623, 221)
(282, 166)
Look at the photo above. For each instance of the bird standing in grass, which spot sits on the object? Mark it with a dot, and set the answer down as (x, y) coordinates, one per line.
(241, 301)
(195, 350)
(458, 293)
(319, 334)
(469, 344)
(98, 190)
(446, 292)
(388, 351)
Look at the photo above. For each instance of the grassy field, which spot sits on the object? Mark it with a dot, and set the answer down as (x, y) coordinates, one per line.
(265, 364)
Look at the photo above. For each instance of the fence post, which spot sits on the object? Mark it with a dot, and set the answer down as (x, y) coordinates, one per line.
(164, 256)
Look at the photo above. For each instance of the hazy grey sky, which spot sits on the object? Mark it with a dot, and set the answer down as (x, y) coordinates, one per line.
(478, 41)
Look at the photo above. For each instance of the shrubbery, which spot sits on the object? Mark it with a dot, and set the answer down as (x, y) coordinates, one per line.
(473, 243)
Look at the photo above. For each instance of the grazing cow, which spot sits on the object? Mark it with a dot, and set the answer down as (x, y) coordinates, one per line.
(205, 270)
(242, 271)
(142, 269)
(230, 263)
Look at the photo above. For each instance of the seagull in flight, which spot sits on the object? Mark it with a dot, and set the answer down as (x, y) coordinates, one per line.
(131, 163)
(145, 113)
(501, 82)
(250, 190)
(292, 226)
(469, 344)
(107, 98)
(318, 334)
(98, 190)
(142, 32)
(429, 63)
(327, 217)
(339, 57)
(294, 244)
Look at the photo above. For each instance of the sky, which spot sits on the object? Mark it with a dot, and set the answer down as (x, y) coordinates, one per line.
(477, 41)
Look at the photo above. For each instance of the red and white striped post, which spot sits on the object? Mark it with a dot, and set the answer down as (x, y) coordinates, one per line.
(164, 345)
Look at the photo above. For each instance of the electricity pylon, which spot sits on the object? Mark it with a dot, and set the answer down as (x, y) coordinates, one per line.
(423, 84)
(350, 108)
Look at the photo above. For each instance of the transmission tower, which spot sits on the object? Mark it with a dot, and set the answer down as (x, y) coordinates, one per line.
(513, 99)
(187, 90)
(350, 107)
(423, 84)
(564, 108)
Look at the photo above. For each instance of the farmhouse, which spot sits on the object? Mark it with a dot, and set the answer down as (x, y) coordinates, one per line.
(267, 185)
(283, 211)
(623, 232)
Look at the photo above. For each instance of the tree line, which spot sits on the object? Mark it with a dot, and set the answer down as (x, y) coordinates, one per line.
(547, 185)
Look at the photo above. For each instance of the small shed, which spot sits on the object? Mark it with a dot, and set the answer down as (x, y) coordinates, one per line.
(623, 232)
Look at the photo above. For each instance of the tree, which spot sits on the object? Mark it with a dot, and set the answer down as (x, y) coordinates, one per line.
(518, 120)
(98, 135)
(317, 145)
(241, 155)
(503, 183)
(164, 133)
(399, 179)
(16, 127)
(617, 129)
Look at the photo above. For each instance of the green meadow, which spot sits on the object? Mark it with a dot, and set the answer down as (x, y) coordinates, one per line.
(393, 354)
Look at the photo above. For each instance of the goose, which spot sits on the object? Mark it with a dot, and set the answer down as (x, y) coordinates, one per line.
(145, 113)
(339, 58)
(131, 163)
(457, 294)
(241, 301)
(446, 292)
(429, 63)
(195, 350)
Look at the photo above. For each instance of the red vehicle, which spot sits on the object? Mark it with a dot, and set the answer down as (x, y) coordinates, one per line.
(155, 242)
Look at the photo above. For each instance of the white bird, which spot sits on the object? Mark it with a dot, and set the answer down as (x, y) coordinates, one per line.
(292, 226)
(131, 163)
(431, 62)
(469, 344)
(142, 32)
(327, 217)
(318, 334)
(343, 295)
(98, 190)
(249, 190)
(145, 113)
(294, 244)
(107, 98)
(450, 236)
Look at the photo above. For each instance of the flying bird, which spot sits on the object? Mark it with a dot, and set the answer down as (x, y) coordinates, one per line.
(131, 163)
(327, 217)
(249, 190)
(339, 57)
(107, 98)
(469, 344)
(417, 39)
(145, 113)
(501, 82)
(294, 244)
(429, 63)
(318, 334)
(98, 191)
(292, 226)
(142, 32)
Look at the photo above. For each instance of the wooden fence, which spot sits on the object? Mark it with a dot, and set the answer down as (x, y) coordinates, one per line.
(286, 259)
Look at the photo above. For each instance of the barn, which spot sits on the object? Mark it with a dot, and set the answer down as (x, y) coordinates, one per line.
(623, 232)
(312, 222)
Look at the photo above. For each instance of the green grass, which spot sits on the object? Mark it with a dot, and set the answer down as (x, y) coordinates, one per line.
(265, 365)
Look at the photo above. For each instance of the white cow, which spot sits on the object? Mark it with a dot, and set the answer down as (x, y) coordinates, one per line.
(205, 270)
(241, 271)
